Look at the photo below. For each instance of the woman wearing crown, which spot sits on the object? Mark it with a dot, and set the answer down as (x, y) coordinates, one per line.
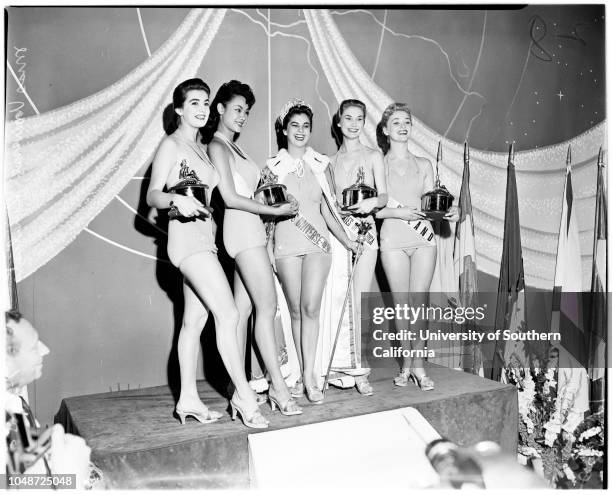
(301, 244)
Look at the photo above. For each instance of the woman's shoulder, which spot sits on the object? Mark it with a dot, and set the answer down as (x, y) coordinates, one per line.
(216, 146)
(423, 163)
(169, 142)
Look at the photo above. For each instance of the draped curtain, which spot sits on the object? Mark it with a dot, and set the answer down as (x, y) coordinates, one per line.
(540, 172)
(66, 165)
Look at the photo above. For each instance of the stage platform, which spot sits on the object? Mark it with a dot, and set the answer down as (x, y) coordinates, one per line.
(138, 443)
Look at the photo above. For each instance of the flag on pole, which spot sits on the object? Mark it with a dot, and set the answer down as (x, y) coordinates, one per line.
(510, 312)
(464, 255)
(572, 391)
(598, 323)
(566, 306)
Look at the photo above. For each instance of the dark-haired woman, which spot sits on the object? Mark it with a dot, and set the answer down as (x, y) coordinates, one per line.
(191, 248)
(243, 231)
(354, 160)
(301, 244)
(408, 254)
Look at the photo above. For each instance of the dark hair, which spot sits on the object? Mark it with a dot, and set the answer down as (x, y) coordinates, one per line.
(279, 127)
(12, 346)
(13, 315)
(381, 137)
(224, 95)
(335, 130)
(178, 99)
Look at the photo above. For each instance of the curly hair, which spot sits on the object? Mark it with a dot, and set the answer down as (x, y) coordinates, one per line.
(336, 132)
(279, 127)
(178, 100)
(381, 137)
(224, 95)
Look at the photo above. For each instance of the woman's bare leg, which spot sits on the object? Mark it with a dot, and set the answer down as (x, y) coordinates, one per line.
(208, 281)
(256, 272)
(396, 264)
(315, 269)
(188, 348)
(290, 276)
(245, 308)
(423, 263)
(362, 282)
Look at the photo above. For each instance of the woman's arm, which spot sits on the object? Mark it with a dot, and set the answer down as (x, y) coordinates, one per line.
(336, 229)
(403, 213)
(380, 178)
(220, 157)
(156, 197)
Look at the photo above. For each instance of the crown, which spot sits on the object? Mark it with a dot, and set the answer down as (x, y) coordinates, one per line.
(293, 102)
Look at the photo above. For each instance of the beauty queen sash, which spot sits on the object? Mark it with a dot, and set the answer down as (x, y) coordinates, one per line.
(351, 225)
(420, 227)
(282, 165)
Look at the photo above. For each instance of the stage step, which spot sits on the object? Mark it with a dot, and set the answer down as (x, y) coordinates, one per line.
(138, 443)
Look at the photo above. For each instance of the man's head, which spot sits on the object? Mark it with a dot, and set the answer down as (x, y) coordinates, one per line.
(24, 351)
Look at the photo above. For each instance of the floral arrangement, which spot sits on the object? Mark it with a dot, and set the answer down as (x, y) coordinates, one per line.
(566, 460)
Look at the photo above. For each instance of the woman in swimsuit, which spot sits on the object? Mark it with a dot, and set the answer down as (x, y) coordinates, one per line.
(191, 248)
(301, 244)
(244, 235)
(354, 158)
(408, 257)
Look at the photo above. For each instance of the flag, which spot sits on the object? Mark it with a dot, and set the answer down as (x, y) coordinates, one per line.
(510, 311)
(464, 256)
(596, 341)
(572, 391)
(566, 305)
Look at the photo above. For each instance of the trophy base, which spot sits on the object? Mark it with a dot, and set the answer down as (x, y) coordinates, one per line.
(434, 215)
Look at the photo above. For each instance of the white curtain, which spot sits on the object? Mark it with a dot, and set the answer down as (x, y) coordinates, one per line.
(540, 172)
(64, 166)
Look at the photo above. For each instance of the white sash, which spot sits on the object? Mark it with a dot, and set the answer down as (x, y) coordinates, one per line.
(420, 227)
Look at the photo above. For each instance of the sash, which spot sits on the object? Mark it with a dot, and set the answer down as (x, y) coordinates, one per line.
(282, 165)
(420, 227)
(311, 233)
(351, 225)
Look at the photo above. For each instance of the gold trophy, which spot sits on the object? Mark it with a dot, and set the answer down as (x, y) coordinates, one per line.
(437, 202)
(189, 185)
(357, 192)
(270, 192)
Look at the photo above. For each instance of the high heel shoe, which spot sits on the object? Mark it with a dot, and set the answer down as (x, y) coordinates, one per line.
(401, 380)
(252, 419)
(423, 382)
(297, 390)
(314, 395)
(203, 417)
(364, 387)
(289, 408)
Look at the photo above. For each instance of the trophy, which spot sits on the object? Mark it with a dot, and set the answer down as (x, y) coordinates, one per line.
(270, 192)
(436, 203)
(189, 185)
(357, 192)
